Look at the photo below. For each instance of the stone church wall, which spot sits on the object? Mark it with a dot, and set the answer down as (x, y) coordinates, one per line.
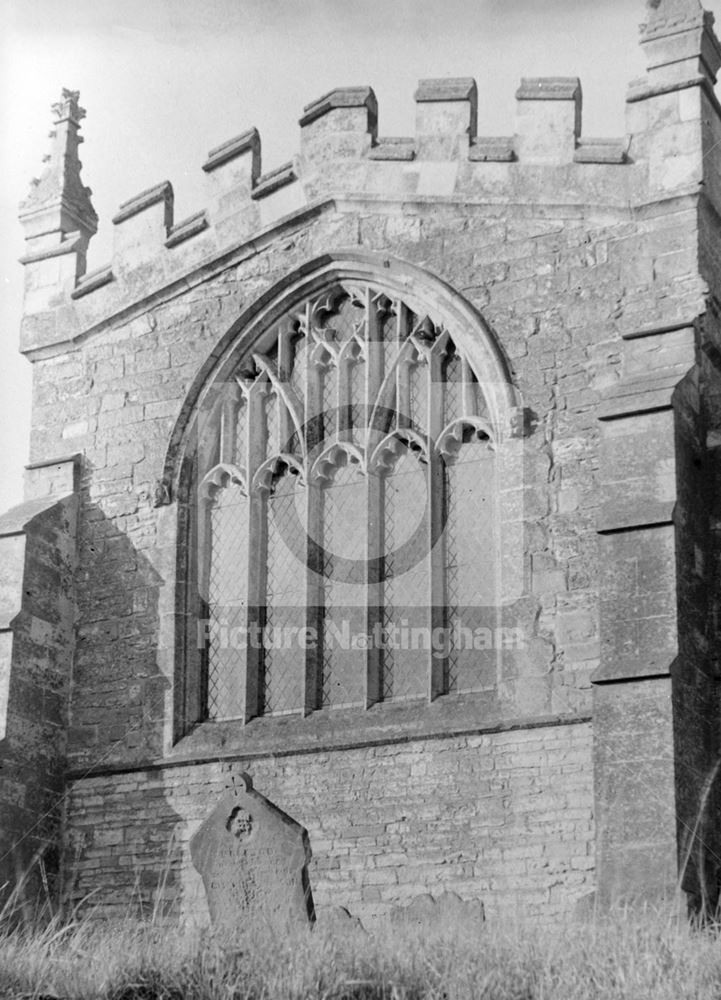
(543, 280)
(592, 263)
(504, 817)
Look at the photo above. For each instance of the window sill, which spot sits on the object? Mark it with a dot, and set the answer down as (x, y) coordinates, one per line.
(336, 729)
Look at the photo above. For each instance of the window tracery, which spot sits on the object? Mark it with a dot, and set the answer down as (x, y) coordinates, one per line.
(347, 501)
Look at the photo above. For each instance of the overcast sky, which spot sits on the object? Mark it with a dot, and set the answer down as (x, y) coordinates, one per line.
(163, 81)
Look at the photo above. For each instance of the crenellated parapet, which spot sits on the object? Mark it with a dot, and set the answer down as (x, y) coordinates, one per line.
(343, 162)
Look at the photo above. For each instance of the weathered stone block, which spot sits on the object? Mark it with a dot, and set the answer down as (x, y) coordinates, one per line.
(142, 225)
(548, 119)
(445, 118)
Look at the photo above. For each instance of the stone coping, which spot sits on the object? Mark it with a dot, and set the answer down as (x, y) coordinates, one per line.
(245, 142)
(162, 192)
(16, 520)
(461, 88)
(340, 97)
(274, 180)
(549, 88)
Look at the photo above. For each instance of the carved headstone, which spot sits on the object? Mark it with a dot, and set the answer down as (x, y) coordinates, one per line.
(253, 859)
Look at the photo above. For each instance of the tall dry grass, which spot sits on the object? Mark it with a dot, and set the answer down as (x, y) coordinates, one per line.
(623, 956)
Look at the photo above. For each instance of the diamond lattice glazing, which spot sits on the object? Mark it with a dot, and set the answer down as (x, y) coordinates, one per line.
(405, 596)
(345, 526)
(470, 563)
(227, 602)
(284, 662)
(343, 344)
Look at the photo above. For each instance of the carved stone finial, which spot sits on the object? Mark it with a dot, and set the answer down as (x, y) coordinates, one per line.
(58, 203)
(675, 8)
(679, 41)
(68, 107)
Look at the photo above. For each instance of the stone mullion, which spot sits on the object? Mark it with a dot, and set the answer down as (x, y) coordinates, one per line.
(436, 486)
(242, 446)
(209, 431)
(200, 657)
(468, 395)
(374, 560)
(401, 379)
(271, 406)
(194, 566)
(285, 364)
(374, 372)
(314, 597)
(257, 529)
(343, 396)
(403, 372)
(435, 590)
(312, 422)
(374, 588)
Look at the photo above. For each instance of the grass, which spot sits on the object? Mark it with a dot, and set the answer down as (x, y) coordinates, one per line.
(624, 956)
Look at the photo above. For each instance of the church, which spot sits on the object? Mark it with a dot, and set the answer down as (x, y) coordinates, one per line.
(389, 479)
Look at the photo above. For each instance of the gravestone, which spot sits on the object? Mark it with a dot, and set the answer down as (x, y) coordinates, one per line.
(253, 859)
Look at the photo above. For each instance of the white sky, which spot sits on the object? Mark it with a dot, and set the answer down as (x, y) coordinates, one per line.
(163, 81)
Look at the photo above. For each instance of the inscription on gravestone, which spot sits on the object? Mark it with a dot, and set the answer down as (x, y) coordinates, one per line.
(253, 859)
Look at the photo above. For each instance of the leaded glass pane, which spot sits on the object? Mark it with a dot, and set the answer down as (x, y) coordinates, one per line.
(241, 430)
(345, 534)
(283, 661)
(298, 374)
(272, 444)
(452, 387)
(406, 590)
(330, 402)
(358, 395)
(418, 378)
(470, 568)
(227, 603)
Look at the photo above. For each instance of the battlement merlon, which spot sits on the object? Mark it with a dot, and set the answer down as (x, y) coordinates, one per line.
(548, 119)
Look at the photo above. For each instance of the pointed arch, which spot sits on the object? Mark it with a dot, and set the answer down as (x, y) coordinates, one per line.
(435, 301)
(340, 409)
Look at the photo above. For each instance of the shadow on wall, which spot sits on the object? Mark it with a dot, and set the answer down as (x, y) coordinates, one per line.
(696, 670)
(121, 849)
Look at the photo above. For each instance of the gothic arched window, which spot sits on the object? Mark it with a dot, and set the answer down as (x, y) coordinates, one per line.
(346, 535)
